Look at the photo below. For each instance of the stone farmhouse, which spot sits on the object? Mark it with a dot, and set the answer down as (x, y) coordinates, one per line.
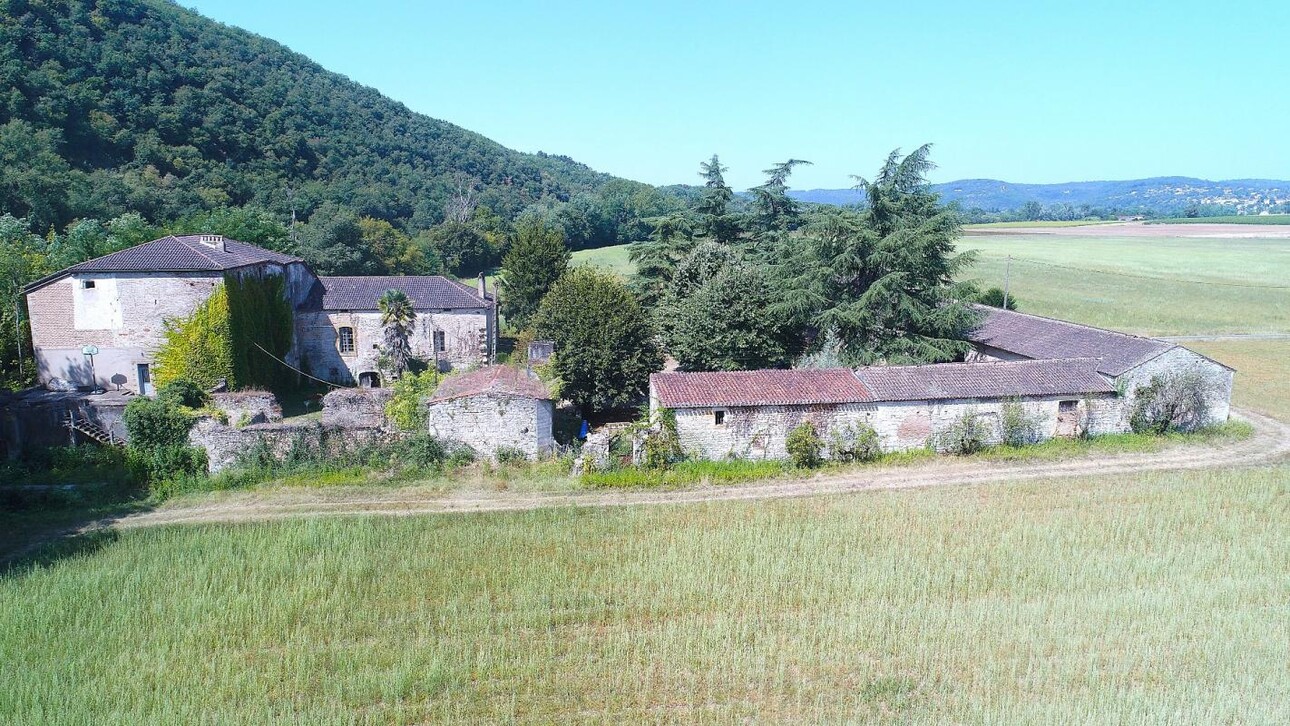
(1069, 379)
(119, 303)
(494, 408)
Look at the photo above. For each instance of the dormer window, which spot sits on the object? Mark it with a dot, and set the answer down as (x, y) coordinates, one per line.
(345, 340)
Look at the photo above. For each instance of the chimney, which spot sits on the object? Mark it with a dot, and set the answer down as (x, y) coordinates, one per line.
(483, 286)
(215, 241)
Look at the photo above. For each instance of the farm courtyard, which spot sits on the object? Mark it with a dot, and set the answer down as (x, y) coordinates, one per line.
(1152, 597)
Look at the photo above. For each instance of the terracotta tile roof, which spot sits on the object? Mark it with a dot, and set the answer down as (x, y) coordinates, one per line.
(804, 386)
(1033, 336)
(428, 292)
(496, 380)
(1008, 379)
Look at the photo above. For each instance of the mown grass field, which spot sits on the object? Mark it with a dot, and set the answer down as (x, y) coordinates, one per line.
(1228, 219)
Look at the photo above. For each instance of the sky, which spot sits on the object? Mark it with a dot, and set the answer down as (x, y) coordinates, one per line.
(1027, 92)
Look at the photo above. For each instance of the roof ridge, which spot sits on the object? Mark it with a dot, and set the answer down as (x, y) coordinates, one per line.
(190, 246)
(1074, 324)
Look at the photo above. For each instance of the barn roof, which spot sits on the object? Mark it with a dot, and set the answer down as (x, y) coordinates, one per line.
(427, 292)
(803, 386)
(1009, 379)
(1034, 336)
(495, 380)
(184, 253)
(875, 384)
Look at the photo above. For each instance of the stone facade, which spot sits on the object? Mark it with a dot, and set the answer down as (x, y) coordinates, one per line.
(490, 421)
(465, 341)
(358, 407)
(760, 432)
(248, 407)
(1179, 361)
(224, 443)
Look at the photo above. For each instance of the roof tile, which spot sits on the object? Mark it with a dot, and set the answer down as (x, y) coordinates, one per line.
(804, 386)
(428, 292)
(496, 380)
(1033, 336)
(1009, 379)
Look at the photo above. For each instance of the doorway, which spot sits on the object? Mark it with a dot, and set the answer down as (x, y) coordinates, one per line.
(145, 379)
(1068, 419)
(369, 379)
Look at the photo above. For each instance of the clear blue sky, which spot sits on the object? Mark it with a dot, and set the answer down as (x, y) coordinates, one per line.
(1025, 92)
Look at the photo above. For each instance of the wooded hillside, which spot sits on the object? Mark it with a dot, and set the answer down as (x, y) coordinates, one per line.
(140, 105)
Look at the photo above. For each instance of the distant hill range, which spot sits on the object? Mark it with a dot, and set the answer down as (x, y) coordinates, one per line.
(1158, 195)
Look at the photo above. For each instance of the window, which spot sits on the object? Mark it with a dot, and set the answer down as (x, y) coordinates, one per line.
(440, 344)
(345, 339)
(87, 284)
(719, 417)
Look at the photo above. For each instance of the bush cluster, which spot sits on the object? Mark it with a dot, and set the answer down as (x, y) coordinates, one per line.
(804, 445)
(1018, 428)
(1172, 402)
(855, 442)
(968, 434)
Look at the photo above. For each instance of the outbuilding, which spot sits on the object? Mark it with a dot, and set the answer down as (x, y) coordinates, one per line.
(492, 409)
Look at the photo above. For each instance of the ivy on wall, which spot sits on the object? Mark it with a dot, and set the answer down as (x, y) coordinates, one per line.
(197, 348)
(217, 341)
(259, 313)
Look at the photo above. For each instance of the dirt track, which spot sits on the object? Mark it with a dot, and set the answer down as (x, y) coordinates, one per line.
(1270, 442)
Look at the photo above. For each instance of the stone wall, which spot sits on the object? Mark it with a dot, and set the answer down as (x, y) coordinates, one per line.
(760, 432)
(487, 422)
(1179, 361)
(465, 341)
(223, 443)
(360, 407)
(248, 407)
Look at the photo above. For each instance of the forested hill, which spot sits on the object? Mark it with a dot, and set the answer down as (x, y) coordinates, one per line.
(1158, 195)
(140, 105)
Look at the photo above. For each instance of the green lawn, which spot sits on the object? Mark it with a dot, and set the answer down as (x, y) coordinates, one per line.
(1229, 219)
(1022, 225)
(615, 259)
(1144, 285)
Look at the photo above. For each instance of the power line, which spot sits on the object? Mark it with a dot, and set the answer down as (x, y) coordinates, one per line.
(297, 370)
(1153, 277)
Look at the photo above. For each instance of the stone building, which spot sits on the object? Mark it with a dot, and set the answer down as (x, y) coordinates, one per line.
(119, 304)
(339, 330)
(1069, 379)
(1128, 361)
(492, 408)
(749, 414)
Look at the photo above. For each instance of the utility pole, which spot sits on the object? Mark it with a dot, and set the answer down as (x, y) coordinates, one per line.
(1007, 277)
(17, 332)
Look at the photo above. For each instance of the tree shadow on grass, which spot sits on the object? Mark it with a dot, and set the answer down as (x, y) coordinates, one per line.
(42, 525)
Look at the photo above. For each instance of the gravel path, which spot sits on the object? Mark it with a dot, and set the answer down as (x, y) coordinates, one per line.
(1269, 443)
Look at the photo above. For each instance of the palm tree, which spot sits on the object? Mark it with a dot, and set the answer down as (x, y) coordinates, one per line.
(397, 318)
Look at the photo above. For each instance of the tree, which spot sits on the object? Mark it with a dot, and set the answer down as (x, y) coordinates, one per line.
(995, 298)
(773, 209)
(332, 242)
(463, 248)
(725, 323)
(713, 209)
(604, 343)
(881, 282)
(397, 321)
(537, 258)
(251, 225)
(393, 250)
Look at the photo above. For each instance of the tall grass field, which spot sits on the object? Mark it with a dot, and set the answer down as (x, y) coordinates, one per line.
(1156, 598)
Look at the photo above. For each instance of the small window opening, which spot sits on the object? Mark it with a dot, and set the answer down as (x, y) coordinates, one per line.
(87, 284)
(440, 343)
(345, 339)
(719, 417)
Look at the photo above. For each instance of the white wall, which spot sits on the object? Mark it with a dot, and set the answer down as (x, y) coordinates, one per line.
(1180, 361)
(488, 422)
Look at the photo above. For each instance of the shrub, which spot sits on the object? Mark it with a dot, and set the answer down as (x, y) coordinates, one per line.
(155, 423)
(407, 407)
(508, 455)
(1018, 428)
(663, 445)
(969, 434)
(855, 442)
(804, 445)
(994, 298)
(160, 464)
(183, 393)
(1172, 402)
